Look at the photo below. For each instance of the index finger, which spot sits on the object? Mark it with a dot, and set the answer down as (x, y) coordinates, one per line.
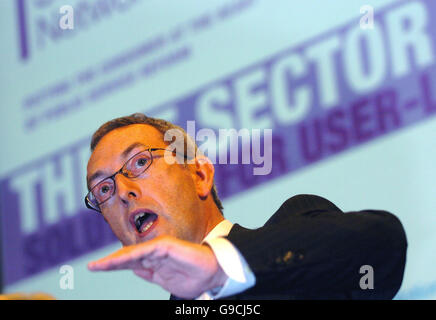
(124, 258)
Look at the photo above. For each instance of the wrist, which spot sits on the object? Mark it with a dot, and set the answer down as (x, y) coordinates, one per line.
(219, 277)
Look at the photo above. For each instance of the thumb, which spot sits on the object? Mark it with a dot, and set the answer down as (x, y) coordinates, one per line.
(144, 273)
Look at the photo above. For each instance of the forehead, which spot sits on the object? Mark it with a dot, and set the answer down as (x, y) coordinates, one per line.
(107, 153)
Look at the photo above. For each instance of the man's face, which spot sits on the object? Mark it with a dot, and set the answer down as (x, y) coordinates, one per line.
(165, 192)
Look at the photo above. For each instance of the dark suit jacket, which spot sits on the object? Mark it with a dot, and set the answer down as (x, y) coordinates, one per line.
(310, 249)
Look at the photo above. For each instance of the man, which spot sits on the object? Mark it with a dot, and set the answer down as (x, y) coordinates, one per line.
(168, 217)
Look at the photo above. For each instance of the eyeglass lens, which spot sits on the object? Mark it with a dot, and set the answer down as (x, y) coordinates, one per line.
(134, 167)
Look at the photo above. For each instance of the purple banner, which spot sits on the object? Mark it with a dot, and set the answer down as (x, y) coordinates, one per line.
(345, 88)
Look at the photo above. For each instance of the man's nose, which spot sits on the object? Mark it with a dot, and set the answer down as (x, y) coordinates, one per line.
(126, 189)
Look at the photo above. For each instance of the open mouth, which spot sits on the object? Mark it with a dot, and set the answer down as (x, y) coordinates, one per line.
(143, 221)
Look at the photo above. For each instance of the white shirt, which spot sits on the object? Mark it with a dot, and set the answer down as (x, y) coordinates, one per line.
(240, 276)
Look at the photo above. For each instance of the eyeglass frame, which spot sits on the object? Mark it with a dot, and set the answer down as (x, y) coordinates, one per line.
(88, 202)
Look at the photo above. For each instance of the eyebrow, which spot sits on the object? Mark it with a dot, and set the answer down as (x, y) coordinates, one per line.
(129, 149)
(123, 155)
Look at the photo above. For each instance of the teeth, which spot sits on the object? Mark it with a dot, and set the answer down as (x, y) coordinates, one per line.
(138, 223)
(147, 226)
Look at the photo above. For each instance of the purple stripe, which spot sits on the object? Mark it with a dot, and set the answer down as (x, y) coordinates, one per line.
(22, 26)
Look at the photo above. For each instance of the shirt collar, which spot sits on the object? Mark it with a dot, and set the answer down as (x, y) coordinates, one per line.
(222, 229)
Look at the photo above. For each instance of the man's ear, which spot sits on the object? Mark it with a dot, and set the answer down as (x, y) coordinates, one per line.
(203, 173)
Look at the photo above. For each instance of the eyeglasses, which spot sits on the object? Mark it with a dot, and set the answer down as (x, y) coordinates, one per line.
(133, 168)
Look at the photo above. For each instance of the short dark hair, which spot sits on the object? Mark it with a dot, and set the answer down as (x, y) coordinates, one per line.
(162, 126)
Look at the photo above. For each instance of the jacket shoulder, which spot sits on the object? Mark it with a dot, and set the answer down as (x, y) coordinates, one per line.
(302, 204)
